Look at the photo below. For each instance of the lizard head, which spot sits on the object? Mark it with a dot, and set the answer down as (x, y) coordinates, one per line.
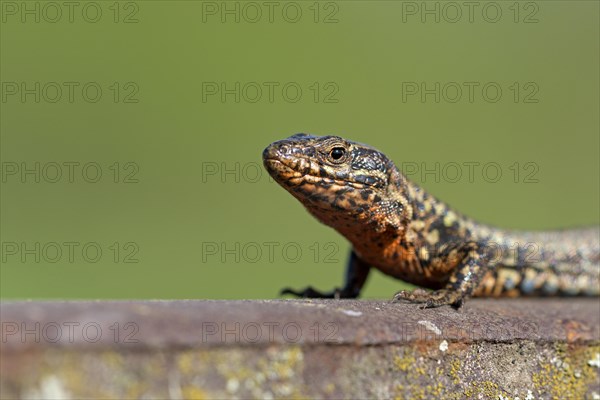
(337, 180)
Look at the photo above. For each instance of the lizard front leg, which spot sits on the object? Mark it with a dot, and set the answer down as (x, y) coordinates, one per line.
(357, 272)
(463, 281)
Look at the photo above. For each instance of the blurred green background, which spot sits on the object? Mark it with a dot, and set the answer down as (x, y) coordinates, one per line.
(191, 203)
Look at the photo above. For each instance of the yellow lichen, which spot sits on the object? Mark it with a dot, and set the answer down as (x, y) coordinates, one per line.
(112, 359)
(415, 369)
(194, 393)
(454, 369)
(404, 364)
(568, 375)
(185, 363)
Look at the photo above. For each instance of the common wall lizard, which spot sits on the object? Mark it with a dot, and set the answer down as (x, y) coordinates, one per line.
(398, 228)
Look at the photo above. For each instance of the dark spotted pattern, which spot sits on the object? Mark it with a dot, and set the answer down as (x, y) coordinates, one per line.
(396, 227)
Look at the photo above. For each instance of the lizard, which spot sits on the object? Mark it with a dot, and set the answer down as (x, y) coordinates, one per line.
(398, 228)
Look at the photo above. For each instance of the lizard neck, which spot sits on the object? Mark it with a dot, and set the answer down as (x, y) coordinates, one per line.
(378, 221)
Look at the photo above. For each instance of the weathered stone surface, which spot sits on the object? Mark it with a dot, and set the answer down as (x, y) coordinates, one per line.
(545, 348)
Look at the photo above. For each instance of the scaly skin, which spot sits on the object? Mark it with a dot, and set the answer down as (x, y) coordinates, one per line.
(396, 227)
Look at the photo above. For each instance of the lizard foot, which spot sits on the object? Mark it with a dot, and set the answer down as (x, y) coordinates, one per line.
(437, 298)
(309, 292)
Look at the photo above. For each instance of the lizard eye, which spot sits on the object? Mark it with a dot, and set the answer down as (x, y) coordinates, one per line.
(337, 153)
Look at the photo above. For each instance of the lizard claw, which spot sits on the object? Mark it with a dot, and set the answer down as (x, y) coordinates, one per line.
(429, 299)
(414, 296)
(309, 292)
(291, 291)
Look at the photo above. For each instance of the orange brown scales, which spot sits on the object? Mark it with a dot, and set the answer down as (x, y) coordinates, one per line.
(398, 228)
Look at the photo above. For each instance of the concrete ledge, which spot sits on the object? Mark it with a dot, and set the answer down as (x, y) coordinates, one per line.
(545, 348)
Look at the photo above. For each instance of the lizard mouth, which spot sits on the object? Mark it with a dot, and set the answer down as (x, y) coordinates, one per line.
(319, 180)
(283, 172)
(279, 169)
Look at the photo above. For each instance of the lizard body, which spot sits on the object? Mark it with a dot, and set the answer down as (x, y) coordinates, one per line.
(399, 229)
